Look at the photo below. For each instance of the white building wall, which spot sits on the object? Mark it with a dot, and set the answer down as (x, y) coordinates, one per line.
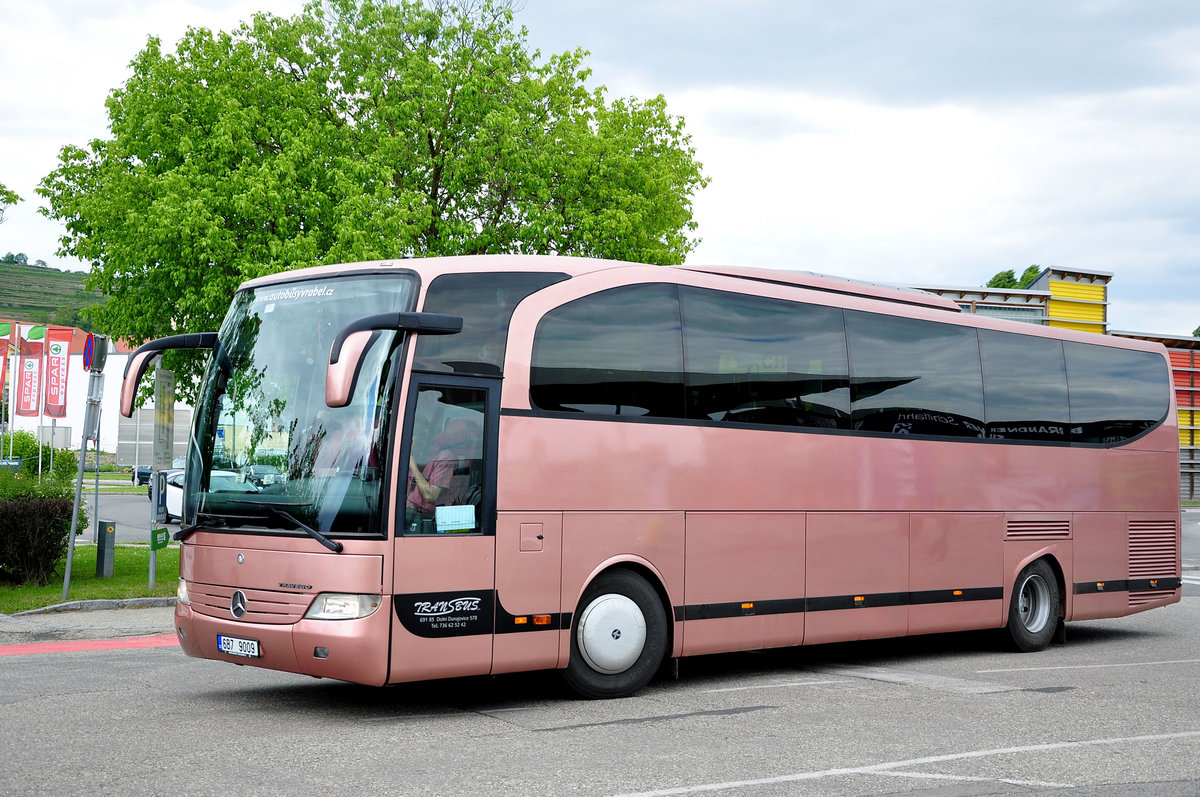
(77, 387)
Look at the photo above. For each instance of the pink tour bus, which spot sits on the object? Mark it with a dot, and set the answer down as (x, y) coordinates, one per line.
(502, 463)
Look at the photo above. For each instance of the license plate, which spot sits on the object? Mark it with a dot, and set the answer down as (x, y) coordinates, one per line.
(235, 646)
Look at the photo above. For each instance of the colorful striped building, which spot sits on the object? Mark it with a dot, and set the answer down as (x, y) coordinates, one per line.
(1078, 299)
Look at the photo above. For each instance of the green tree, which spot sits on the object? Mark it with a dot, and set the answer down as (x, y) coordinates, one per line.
(1009, 279)
(6, 198)
(358, 129)
(1196, 332)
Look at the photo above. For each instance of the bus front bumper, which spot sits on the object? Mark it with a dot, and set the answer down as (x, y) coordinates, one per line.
(347, 650)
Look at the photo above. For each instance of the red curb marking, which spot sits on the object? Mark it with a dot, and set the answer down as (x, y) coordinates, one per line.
(76, 645)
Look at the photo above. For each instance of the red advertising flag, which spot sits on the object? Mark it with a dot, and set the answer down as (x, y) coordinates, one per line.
(58, 361)
(29, 382)
(5, 342)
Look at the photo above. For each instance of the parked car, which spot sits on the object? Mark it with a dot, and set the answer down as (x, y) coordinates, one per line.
(174, 494)
(141, 474)
(262, 475)
(221, 481)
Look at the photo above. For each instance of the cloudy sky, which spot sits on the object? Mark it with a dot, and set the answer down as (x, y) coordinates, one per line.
(911, 141)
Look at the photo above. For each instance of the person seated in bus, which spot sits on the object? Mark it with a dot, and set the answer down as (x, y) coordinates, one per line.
(445, 479)
(336, 445)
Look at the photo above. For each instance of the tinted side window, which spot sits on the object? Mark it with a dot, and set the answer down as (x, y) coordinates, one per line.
(1025, 386)
(909, 376)
(1115, 393)
(618, 352)
(755, 360)
(486, 303)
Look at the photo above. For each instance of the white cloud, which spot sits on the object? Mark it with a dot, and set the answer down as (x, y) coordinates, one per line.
(60, 60)
(951, 193)
(921, 141)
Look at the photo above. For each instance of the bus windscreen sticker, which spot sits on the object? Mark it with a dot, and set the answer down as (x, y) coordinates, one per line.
(451, 519)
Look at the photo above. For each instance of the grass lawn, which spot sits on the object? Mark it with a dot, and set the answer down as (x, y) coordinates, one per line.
(124, 489)
(130, 579)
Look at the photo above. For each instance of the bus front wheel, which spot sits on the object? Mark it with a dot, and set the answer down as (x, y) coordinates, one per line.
(1034, 611)
(619, 637)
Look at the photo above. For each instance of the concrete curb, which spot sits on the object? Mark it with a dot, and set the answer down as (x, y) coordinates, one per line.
(98, 605)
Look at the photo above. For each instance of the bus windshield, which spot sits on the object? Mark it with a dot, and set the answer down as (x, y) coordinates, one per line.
(266, 452)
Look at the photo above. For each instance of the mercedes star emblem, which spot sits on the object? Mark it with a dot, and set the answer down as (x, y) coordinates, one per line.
(237, 604)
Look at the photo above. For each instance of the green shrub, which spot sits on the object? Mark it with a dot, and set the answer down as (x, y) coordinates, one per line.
(66, 464)
(25, 446)
(35, 519)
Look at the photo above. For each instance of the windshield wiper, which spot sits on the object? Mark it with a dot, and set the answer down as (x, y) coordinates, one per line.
(224, 522)
(332, 545)
(210, 520)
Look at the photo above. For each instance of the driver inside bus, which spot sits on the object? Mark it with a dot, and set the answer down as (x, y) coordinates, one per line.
(440, 482)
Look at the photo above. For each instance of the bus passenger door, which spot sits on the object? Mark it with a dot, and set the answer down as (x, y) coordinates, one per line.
(443, 610)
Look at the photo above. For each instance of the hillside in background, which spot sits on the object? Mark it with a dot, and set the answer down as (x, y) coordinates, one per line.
(45, 295)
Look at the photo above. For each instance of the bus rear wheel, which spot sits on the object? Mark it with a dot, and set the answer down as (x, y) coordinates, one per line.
(1034, 611)
(619, 637)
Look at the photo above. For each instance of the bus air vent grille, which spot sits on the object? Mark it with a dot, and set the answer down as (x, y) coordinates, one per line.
(1150, 596)
(262, 606)
(1039, 529)
(1153, 548)
(1153, 552)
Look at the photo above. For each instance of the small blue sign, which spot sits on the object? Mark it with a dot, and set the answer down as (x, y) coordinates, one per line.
(160, 496)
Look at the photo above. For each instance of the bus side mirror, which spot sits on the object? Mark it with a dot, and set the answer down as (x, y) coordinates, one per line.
(139, 361)
(355, 339)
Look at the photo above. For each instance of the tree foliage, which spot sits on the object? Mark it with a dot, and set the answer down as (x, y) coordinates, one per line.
(1009, 279)
(7, 198)
(358, 129)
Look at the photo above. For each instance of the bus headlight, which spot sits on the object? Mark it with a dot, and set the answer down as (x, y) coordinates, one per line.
(181, 593)
(341, 606)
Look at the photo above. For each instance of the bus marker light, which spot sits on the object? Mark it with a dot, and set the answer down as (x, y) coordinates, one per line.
(1100, 586)
(958, 593)
(541, 619)
(1154, 582)
(521, 620)
(860, 600)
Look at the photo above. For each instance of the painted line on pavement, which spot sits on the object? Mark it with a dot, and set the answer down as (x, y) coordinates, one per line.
(1094, 666)
(886, 768)
(78, 645)
(771, 686)
(1045, 784)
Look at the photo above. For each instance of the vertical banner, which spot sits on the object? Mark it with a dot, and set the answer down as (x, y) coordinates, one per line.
(164, 418)
(58, 361)
(29, 384)
(5, 342)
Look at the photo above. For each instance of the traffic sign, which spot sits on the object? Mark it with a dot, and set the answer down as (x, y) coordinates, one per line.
(159, 538)
(95, 352)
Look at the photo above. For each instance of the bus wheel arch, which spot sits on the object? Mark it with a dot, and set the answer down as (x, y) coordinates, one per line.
(620, 634)
(1036, 607)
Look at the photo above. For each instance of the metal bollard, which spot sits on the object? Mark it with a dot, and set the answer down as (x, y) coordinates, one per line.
(105, 546)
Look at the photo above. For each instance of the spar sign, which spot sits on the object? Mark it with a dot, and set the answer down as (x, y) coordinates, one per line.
(45, 358)
(29, 384)
(58, 360)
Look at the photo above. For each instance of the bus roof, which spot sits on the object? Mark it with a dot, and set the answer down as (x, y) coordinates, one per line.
(576, 266)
